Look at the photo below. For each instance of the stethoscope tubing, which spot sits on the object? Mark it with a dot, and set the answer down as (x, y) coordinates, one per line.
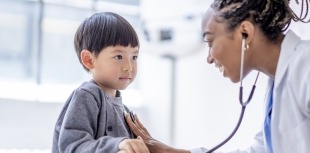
(242, 103)
(232, 133)
(243, 106)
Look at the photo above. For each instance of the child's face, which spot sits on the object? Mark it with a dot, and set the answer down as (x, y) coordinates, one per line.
(115, 67)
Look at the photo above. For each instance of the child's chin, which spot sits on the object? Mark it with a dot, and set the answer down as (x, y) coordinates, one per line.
(122, 88)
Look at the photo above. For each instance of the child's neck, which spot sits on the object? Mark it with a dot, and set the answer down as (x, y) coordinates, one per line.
(109, 91)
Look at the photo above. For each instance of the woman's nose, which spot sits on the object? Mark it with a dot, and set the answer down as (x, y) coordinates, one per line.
(210, 60)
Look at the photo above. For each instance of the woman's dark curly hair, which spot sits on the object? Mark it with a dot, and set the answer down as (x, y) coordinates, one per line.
(272, 16)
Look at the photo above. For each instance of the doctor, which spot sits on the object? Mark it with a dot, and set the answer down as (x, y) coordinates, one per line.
(259, 30)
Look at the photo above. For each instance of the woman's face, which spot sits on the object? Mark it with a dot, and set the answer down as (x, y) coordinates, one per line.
(224, 46)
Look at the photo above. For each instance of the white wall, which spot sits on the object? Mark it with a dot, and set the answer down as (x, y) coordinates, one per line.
(209, 106)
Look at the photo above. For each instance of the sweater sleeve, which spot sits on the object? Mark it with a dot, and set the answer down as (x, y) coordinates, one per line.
(79, 127)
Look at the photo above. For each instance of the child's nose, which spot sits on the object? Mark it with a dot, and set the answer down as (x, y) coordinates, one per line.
(127, 66)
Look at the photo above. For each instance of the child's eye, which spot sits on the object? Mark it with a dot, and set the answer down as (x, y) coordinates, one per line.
(118, 57)
(135, 57)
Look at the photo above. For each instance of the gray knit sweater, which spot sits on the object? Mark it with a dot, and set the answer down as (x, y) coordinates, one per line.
(91, 122)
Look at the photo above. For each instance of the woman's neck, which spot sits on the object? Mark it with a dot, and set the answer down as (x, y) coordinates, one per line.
(266, 56)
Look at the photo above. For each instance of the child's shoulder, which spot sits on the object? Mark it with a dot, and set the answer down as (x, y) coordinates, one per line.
(90, 87)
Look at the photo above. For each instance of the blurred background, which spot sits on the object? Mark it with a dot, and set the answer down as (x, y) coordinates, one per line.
(182, 100)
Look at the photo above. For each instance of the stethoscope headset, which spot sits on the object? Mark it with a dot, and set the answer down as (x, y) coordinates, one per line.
(242, 103)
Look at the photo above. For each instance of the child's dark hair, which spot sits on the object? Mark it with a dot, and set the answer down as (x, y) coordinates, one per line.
(102, 30)
(273, 16)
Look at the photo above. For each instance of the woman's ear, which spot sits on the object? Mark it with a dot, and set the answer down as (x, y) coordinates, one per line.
(247, 30)
(87, 59)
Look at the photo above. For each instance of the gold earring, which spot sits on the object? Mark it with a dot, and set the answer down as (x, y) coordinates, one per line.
(246, 47)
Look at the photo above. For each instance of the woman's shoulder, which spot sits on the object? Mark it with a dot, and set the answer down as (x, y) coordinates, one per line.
(301, 55)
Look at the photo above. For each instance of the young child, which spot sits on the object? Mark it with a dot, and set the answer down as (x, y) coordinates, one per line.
(92, 119)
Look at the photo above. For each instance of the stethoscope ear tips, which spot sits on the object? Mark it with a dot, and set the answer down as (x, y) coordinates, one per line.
(244, 35)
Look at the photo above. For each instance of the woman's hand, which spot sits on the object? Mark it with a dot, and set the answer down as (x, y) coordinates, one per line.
(153, 145)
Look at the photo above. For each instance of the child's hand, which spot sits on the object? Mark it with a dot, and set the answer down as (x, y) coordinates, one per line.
(133, 146)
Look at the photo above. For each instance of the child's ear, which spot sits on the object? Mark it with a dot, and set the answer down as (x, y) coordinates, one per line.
(86, 58)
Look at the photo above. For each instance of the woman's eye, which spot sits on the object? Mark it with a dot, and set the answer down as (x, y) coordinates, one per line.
(118, 57)
(209, 43)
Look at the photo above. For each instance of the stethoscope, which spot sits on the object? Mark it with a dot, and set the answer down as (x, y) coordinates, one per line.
(242, 103)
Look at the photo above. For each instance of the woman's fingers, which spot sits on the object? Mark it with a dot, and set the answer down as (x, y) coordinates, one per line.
(134, 127)
(140, 125)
